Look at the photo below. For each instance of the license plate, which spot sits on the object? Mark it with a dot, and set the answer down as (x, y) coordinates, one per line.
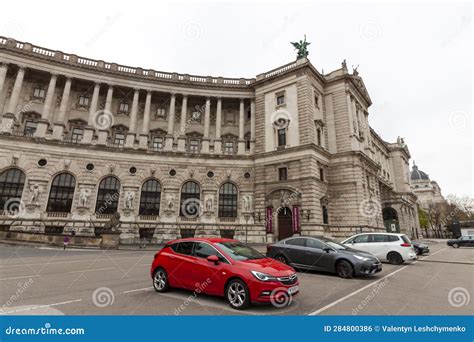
(293, 289)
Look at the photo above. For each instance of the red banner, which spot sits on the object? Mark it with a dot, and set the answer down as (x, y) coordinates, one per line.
(296, 220)
(268, 220)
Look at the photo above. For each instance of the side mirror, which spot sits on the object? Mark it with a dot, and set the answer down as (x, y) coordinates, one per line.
(213, 258)
(327, 249)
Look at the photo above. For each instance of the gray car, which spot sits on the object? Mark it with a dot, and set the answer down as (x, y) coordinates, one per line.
(322, 254)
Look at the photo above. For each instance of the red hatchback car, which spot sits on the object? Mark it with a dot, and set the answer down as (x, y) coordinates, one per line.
(223, 267)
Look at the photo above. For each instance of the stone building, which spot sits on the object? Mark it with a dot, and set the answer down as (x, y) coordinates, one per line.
(427, 191)
(288, 152)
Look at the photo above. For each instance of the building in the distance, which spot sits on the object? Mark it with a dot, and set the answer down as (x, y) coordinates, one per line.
(288, 152)
(427, 191)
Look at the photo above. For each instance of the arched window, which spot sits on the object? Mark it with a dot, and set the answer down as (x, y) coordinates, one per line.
(12, 182)
(190, 199)
(228, 200)
(108, 196)
(61, 193)
(150, 198)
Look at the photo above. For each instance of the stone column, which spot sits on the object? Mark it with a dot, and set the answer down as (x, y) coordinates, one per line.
(10, 116)
(59, 125)
(3, 75)
(241, 141)
(218, 140)
(182, 128)
(146, 122)
(90, 128)
(207, 119)
(104, 129)
(252, 126)
(48, 108)
(170, 136)
(130, 142)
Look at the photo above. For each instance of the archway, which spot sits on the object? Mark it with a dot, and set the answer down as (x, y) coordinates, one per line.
(285, 227)
(390, 220)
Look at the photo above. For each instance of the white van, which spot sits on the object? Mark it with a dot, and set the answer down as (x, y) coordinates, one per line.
(394, 248)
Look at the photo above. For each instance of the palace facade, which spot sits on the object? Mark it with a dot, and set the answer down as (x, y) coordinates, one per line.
(288, 152)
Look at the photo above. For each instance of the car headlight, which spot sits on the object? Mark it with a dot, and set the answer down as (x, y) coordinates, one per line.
(361, 258)
(262, 276)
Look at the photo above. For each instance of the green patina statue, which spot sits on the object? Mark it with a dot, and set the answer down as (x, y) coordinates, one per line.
(302, 47)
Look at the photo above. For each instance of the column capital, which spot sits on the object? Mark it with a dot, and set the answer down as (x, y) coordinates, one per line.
(111, 85)
(136, 89)
(54, 74)
(4, 64)
(148, 91)
(173, 93)
(22, 67)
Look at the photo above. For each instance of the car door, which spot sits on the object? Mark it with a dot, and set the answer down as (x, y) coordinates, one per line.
(378, 245)
(183, 261)
(294, 249)
(315, 255)
(209, 277)
(360, 242)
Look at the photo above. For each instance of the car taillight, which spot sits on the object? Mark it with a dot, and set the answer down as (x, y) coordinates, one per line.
(406, 245)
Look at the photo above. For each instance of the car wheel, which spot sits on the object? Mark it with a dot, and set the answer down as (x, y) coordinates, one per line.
(344, 269)
(456, 245)
(238, 294)
(281, 258)
(160, 280)
(394, 258)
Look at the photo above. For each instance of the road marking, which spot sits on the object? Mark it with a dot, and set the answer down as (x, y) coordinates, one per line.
(30, 276)
(367, 286)
(136, 290)
(93, 269)
(41, 306)
(66, 262)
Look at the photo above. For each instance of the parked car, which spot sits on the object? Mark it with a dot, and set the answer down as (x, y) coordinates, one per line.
(223, 267)
(322, 254)
(420, 248)
(463, 241)
(391, 247)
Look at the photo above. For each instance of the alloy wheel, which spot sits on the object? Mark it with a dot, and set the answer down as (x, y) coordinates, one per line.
(160, 280)
(236, 294)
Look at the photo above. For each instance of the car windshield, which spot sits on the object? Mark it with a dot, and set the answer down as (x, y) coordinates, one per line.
(333, 244)
(239, 251)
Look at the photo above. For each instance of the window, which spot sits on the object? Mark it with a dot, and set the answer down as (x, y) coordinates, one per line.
(301, 242)
(321, 174)
(76, 135)
(361, 238)
(392, 238)
(12, 182)
(203, 250)
(313, 243)
(39, 93)
(61, 194)
(30, 128)
(282, 137)
(316, 101)
(150, 198)
(247, 144)
(119, 139)
(228, 200)
(282, 174)
(83, 101)
(108, 196)
(123, 108)
(280, 99)
(325, 215)
(378, 238)
(185, 248)
(190, 199)
(193, 146)
(229, 147)
(368, 180)
(318, 136)
(157, 144)
(160, 113)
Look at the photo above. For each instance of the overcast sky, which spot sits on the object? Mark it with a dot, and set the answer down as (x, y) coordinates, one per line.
(416, 60)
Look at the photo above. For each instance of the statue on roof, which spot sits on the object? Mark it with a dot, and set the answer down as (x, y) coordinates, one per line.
(302, 47)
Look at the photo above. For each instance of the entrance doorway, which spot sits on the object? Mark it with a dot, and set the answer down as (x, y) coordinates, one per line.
(285, 224)
(390, 220)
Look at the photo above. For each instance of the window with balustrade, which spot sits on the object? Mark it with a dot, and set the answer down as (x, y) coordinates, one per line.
(12, 182)
(83, 101)
(190, 204)
(150, 198)
(76, 135)
(30, 128)
(157, 143)
(108, 196)
(39, 93)
(228, 200)
(119, 139)
(123, 108)
(160, 113)
(61, 193)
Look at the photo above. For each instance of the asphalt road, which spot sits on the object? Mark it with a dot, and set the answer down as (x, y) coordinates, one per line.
(48, 280)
